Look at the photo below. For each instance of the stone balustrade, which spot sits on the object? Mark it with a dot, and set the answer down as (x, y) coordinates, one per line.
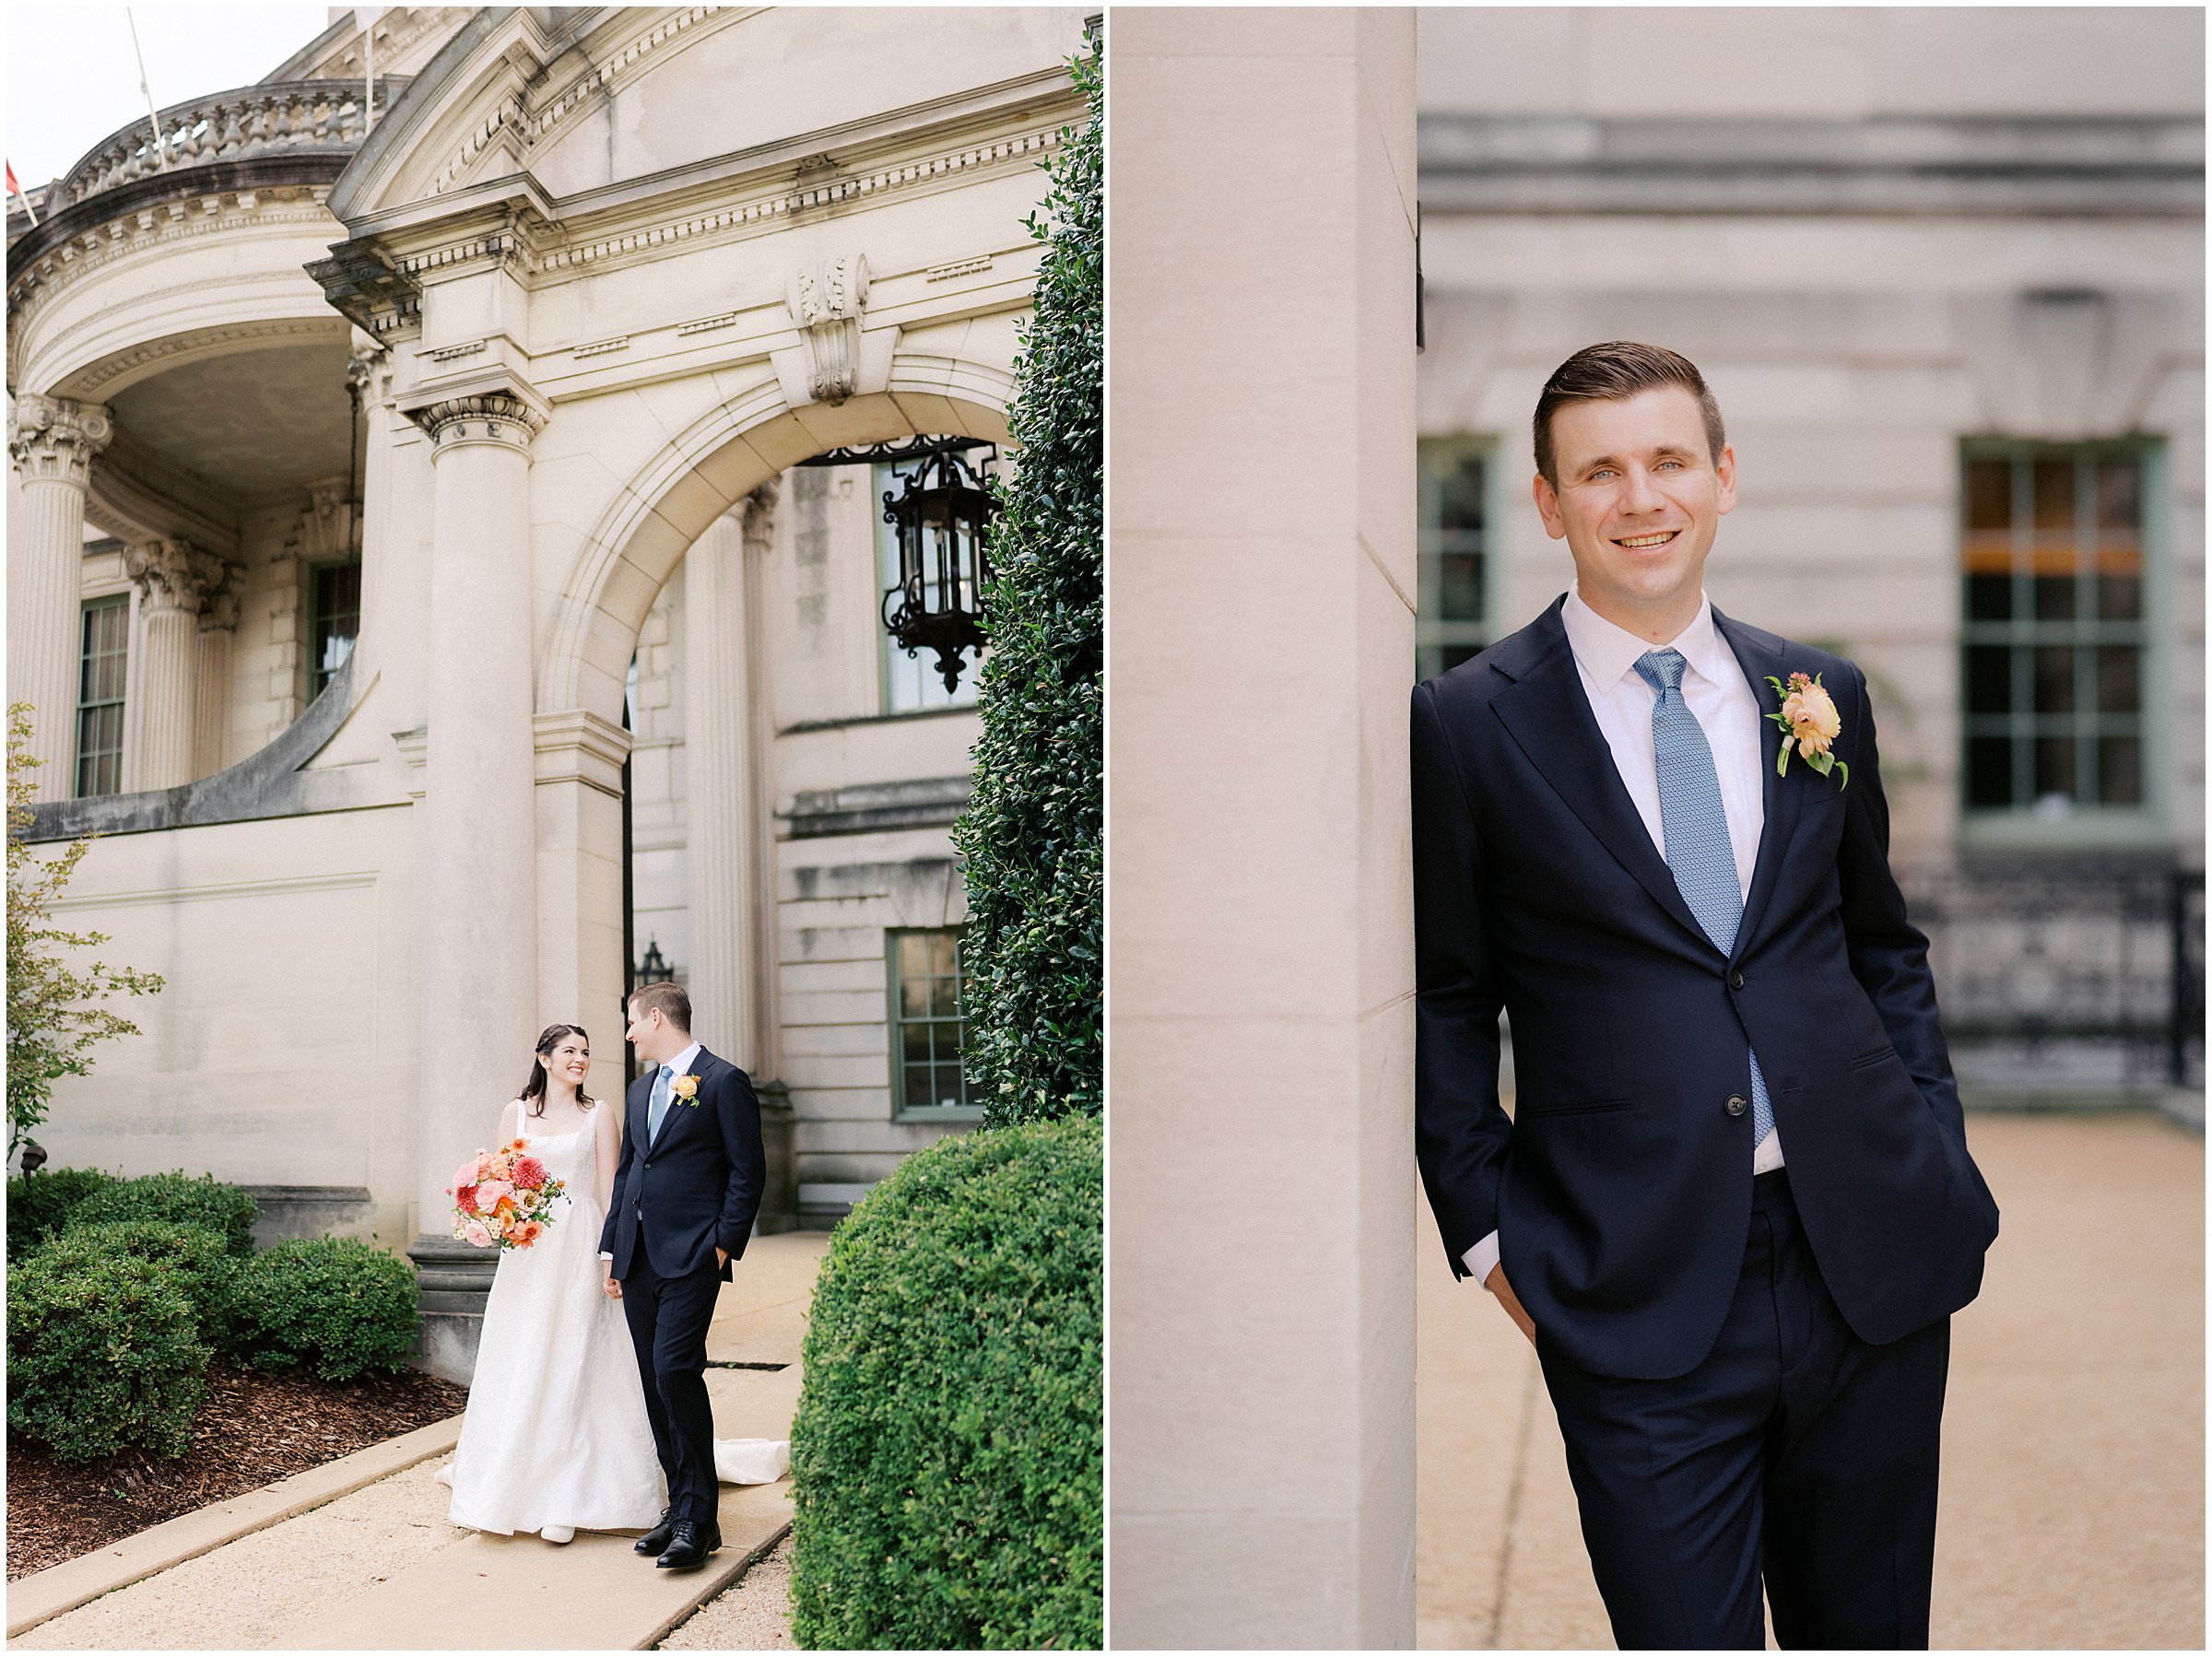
(304, 117)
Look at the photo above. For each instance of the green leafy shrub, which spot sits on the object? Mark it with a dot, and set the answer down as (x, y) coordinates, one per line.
(1032, 836)
(41, 1204)
(191, 1257)
(229, 1211)
(103, 1354)
(948, 1447)
(331, 1302)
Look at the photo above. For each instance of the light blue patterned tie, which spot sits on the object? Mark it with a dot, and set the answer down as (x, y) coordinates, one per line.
(658, 1107)
(1695, 825)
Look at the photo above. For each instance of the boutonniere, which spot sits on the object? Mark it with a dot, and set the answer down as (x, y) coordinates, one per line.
(1808, 717)
(686, 1088)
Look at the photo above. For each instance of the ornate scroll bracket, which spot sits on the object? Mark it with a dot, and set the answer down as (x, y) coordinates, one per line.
(218, 609)
(54, 439)
(826, 300)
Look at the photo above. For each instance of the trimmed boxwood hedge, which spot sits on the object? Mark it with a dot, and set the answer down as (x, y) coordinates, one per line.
(948, 1447)
(229, 1211)
(103, 1353)
(191, 1257)
(41, 1204)
(1033, 837)
(332, 1302)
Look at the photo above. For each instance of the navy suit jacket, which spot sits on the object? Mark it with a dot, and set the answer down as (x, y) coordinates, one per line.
(1621, 1186)
(697, 1186)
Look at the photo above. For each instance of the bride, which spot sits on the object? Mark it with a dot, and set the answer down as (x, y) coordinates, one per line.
(557, 1439)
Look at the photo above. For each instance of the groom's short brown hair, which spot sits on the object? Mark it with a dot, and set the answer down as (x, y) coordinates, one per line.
(674, 1002)
(1617, 369)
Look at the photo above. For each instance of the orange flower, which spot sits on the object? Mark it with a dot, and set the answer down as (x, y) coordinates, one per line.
(1812, 716)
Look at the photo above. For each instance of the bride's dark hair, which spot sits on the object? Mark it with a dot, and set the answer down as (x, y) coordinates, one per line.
(533, 1090)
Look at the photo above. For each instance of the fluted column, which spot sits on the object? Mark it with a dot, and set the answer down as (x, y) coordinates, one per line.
(760, 749)
(480, 943)
(218, 629)
(721, 829)
(51, 441)
(171, 577)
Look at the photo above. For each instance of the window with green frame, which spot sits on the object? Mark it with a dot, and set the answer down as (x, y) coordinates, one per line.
(335, 618)
(2054, 558)
(102, 657)
(927, 1026)
(1452, 623)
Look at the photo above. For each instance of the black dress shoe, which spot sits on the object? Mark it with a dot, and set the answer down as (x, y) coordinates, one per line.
(663, 1532)
(688, 1550)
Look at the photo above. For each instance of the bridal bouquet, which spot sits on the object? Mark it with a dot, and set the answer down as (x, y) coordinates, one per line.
(502, 1197)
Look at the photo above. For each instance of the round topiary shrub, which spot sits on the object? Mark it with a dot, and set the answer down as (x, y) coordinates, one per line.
(193, 1257)
(948, 1447)
(331, 1302)
(229, 1211)
(40, 1204)
(103, 1354)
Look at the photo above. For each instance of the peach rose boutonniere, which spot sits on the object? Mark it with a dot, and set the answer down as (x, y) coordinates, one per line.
(1808, 718)
(686, 1088)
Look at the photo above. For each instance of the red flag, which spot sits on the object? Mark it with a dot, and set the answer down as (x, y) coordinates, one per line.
(15, 190)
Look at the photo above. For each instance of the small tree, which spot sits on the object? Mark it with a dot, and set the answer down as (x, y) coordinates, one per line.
(1033, 834)
(53, 1013)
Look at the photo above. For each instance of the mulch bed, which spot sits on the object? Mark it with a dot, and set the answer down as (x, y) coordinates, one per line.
(253, 1429)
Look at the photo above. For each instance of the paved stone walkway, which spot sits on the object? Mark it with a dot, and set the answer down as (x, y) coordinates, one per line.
(381, 1570)
(2074, 1448)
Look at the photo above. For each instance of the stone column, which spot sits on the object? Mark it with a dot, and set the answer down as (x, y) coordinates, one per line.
(52, 440)
(1262, 1004)
(172, 581)
(218, 629)
(723, 825)
(480, 928)
(761, 758)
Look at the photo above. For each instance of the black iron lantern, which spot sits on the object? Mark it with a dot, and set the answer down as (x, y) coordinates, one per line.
(943, 519)
(655, 969)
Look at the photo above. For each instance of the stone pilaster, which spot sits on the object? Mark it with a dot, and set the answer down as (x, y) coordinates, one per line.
(52, 441)
(172, 581)
(479, 924)
(718, 645)
(218, 631)
(760, 770)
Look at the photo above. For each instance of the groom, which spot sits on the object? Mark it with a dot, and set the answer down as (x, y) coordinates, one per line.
(685, 1190)
(1704, 956)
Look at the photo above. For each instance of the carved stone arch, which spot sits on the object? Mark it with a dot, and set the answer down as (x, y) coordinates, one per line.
(700, 475)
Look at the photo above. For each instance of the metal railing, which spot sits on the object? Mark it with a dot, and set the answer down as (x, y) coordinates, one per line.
(2053, 959)
(297, 117)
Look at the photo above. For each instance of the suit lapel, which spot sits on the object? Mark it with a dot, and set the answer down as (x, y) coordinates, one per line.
(677, 1106)
(1548, 715)
(1783, 803)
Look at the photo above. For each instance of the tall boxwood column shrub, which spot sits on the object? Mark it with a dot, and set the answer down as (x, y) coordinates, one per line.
(1033, 834)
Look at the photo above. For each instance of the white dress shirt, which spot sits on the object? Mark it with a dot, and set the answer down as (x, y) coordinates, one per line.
(1621, 699)
(679, 1066)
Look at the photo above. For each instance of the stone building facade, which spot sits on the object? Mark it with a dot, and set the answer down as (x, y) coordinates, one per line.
(1944, 270)
(422, 583)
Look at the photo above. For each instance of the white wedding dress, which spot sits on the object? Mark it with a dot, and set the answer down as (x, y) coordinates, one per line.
(556, 1433)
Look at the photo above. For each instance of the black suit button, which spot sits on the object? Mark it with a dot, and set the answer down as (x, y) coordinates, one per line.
(1737, 1104)
(1735, 980)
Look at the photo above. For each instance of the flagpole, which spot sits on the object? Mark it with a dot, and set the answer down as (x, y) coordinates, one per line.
(153, 120)
(20, 196)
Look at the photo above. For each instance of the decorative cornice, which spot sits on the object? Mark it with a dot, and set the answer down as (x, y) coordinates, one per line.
(513, 114)
(483, 417)
(54, 439)
(35, 279)
(578, 745)
(826, 300)
(772, 209)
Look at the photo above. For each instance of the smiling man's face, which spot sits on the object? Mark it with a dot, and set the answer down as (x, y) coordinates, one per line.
(1639, 500)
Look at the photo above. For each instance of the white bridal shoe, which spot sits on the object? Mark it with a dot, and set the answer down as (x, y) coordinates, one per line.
(559, 1534)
